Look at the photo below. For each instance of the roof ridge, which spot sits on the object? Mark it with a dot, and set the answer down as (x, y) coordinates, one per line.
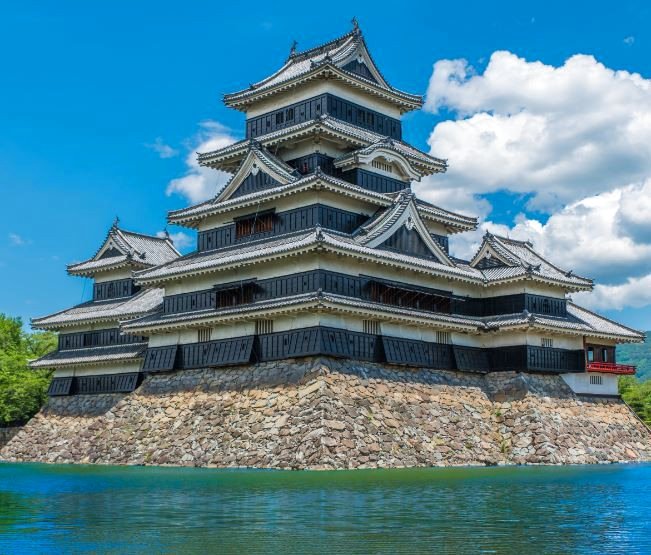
(324, 47)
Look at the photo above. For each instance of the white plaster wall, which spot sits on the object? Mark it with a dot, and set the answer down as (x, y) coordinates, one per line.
(122, 273)
(580, 383)
(315, 88)
(114, 368)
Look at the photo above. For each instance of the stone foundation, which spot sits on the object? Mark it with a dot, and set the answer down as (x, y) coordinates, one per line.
(325, 413)
(7, 433)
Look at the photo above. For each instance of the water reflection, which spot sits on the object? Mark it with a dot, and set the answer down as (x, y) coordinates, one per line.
(491, 510)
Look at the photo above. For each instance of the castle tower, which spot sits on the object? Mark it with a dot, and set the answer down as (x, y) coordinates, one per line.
(318, 246)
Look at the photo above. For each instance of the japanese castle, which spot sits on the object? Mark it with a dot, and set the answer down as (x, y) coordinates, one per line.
(318, 246)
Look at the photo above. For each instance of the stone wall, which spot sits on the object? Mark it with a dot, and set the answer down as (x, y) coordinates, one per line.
(6, 434)
(325, 413)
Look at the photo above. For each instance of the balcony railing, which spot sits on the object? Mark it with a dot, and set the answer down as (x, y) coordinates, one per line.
(611, 368)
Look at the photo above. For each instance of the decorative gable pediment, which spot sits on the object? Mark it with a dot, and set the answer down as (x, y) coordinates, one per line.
(381, 157)
(400, 228)
(259, 170)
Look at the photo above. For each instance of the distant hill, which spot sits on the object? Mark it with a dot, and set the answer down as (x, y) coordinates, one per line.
(638, 354)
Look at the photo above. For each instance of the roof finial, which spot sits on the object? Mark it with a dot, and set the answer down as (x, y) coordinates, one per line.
(292, 49)
(116, 222)
(355, 25)
(167, 235)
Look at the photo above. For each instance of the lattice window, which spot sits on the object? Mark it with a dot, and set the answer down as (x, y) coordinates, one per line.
(382, 166)
(264, 326)
(204, 334)
(260, 223)
(372, 327)
(547, 342)
(444, 337)
(596, 380)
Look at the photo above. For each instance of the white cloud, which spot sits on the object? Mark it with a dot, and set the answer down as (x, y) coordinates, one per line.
(163, 150)
(18, 241)
(629, 40)
(559, 133)
(576, 140)
(181, 240)
(635, 292)
(200, 183)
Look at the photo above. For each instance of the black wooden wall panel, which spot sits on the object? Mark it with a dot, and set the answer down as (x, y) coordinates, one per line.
(254, 183)
(510, 304)
(114, 289)
(160, 359)
(408, 242)
(359, 69)
(312, 108)
(310, 162)
(60, 386)
(288, 221)
(374, 181)
(98, 338)
(106, 383)
(418, 353)
(471, 359)
(222, 352)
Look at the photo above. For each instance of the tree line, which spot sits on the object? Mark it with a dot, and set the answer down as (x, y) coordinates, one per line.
(22, 391)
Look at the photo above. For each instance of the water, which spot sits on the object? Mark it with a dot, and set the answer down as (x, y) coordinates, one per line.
(93, 509)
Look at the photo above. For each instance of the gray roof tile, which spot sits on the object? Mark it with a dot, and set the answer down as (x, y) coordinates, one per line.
(91, 356)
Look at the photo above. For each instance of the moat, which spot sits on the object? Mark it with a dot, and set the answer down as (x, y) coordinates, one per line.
(77, 509)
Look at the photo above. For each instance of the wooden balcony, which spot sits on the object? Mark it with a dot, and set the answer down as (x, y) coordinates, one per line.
(610, 368)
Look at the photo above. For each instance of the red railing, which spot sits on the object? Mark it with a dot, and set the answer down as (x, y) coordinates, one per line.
(611, 368)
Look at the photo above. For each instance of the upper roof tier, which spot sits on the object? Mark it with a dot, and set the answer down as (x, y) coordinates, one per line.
(228, 158)
(345, 59)
(122, 249)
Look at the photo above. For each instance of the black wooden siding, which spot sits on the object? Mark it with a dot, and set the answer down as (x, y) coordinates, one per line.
(510, 304)
(360, 287)
(160, 359)
(408, 242)
(320, 340)
(373, 181)
(114, 289)
(223, 352)
(60, 386)
(314, 107)
(359, 69)
(93, 385)
(289, 221)
(254, 183)
(99, 338)
(310, 162)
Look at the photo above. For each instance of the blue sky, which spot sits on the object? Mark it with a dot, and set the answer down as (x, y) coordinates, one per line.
(88, 90)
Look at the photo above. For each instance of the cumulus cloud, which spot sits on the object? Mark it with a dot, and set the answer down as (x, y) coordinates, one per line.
(576, 140)
(200, 183)
(561, 133)
(181, 240)
(163, 150)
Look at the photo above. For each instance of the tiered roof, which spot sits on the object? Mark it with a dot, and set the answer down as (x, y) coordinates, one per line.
(228, 158)
(91, 356)
(332, 60)
(95, 312)
(123, 248)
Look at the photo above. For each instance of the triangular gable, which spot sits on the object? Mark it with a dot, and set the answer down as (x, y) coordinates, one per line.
(361, 63)
(114, 245)
(401, 229)
(488, 256)
(258, 171)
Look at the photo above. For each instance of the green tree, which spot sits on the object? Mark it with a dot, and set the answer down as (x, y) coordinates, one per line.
(638, 395)
(22, 391)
